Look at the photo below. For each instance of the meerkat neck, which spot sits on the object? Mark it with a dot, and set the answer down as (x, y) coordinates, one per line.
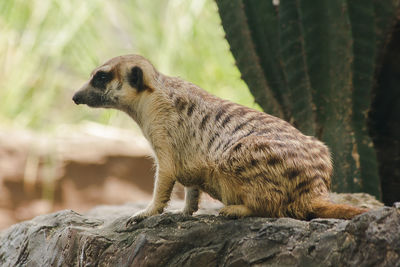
(144, 105)
(153, 113)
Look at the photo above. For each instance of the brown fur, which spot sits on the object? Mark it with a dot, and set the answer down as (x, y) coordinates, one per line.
(255, 163)
(326, 209)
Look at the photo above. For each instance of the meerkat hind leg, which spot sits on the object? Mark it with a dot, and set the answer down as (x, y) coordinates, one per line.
(236, 211)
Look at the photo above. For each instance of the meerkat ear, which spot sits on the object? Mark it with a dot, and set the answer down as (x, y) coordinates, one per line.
(135, 78)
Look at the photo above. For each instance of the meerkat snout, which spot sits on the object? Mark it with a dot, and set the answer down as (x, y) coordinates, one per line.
(78, 98)
(96, 92)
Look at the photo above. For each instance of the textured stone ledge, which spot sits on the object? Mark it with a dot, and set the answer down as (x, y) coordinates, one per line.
(99, 238)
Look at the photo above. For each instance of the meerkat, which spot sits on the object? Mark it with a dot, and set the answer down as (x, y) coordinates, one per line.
(254, 163)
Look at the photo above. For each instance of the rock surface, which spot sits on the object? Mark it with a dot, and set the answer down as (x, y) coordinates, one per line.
(99, 238)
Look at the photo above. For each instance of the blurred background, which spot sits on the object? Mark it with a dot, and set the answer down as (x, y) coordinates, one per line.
(56, 155)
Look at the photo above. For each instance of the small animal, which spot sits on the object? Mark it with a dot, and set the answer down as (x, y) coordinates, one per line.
(254, 163)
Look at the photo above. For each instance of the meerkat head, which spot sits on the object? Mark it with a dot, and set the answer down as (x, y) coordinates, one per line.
(118, 83)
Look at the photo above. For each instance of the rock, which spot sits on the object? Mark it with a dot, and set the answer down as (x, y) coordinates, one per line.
(99, 238)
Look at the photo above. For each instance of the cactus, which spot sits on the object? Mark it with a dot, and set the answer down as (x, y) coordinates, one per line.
(314, 64)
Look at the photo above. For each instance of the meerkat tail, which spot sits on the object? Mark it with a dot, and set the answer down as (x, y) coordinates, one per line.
(326, 209)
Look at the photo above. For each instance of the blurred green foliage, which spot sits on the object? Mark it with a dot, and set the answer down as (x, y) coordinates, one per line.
(49, 47)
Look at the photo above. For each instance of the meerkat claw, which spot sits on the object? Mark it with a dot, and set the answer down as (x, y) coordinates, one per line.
(136, 218)
(133, 220)
(188, 212)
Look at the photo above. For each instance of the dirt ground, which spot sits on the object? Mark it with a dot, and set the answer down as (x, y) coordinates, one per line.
(73, 168)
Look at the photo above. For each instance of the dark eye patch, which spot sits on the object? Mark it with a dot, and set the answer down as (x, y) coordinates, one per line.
(101, 78)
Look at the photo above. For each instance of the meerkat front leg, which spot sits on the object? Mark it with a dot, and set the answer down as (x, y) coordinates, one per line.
(161, 195)
(192, 195)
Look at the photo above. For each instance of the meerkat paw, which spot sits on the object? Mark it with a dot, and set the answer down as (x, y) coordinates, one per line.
(140, 216)
(235, 211)
(187, 211)
(190, 208)
(182, 212)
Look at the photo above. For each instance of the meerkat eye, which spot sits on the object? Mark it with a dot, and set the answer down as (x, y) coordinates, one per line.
(135, 78)
(100, 79)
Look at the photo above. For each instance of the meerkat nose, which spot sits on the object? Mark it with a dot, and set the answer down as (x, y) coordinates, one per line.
(77, 98)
